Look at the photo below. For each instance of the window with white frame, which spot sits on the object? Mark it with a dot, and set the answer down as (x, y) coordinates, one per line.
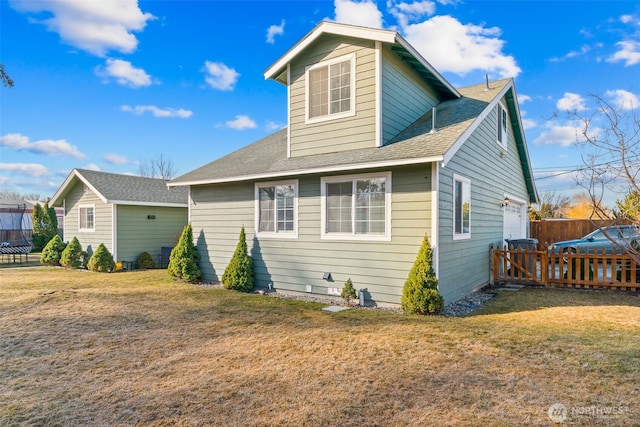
(276, 209)
(86, 217)
(502, 126)
(357, 207)
(461, 207)
(331, 89)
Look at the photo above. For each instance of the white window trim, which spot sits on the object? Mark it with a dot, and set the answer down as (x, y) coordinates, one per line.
(353, 236)
(86, 230)
(351, 112)
(503, 143)
(275, 234)
(458, 178)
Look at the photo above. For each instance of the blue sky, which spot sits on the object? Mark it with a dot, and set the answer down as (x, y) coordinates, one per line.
(106, 85)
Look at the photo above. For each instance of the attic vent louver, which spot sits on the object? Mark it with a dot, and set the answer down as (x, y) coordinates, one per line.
(433, 121)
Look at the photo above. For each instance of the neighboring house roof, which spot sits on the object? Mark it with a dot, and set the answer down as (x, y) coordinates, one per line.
(456, 119)
(123, 189)
(278, 71)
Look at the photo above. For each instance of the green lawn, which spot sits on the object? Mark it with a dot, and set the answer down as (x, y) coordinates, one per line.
(136, 348)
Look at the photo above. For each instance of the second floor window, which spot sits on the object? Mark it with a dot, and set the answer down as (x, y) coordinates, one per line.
(330, 89)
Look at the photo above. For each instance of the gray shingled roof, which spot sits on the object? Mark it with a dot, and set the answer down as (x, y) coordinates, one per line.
(124, 189)
(268, 157)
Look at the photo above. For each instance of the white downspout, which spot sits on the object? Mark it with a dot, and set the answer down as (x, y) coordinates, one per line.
(435, 216)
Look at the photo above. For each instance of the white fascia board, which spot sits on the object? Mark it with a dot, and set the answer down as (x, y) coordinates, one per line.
(448, 155)
(339, 168)
(401, 41)
(325, 27)
(75, 174)
(160, 205)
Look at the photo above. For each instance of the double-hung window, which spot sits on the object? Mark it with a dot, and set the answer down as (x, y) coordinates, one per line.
(330, 90)
(461, 208)
(502, 126)
(276, 209)
(357, 207)
(86, 217)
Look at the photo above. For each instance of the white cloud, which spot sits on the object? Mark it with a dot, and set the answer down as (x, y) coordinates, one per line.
(93, 26)
(564, 135)
(116, 159)
(92, 167)
(629, 53)
(571, 101)
(271, 125)
(572, 54)
(623, 99)
(49, 147)
(364, 13)
(406, 12)
(124, 73)
(273, 31)
(523, 98)
(241, 122)
(219, 76)
(449, 45)
(138, 110)
(30, 169)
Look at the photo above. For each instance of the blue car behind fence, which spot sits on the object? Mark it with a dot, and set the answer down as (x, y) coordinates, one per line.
(625, 235)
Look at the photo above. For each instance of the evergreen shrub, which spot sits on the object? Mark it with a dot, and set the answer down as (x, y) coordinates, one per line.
(72, 255)
(348, 291)
(184, 258)
(52, 251)
(145, 262)
(420, 292)
(101, 260)
(239, 273)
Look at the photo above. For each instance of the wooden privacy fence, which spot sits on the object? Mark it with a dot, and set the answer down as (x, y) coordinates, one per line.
(575, 270)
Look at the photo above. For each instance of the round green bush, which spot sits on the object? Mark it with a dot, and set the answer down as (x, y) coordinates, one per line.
(52, 251)
(101, 260)
(145, 262)
(72, 255)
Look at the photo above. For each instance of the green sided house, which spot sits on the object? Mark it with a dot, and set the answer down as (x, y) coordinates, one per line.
(129, 214)
(379, 151)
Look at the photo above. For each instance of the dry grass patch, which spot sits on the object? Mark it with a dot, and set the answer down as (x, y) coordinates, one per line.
(79, 348)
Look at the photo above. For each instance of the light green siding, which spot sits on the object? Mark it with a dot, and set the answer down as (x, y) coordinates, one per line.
(338, 134)
(464, 264)
(218, 212)
(136, 233)
(79, 196)
(405, 97)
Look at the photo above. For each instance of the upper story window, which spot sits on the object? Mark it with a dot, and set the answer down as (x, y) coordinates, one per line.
(276, 209)
(86, 218)
(356, 207)
(330, 91)
(502, 126)
(461, 208)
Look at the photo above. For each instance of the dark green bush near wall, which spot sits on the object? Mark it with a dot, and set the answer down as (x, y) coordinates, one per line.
(52, 252)
(184, 258)
(575, 270)
(420, 293)
(101, 260)
(145, 262)
(239, 273)
(72, 254)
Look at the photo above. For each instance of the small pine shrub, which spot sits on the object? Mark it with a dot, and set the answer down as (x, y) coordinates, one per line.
(72, 254)
(101, 260)
(420, 292)
(348, 291)
(145, 262)
(52, 251)
(184, 258)
(239, 273)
